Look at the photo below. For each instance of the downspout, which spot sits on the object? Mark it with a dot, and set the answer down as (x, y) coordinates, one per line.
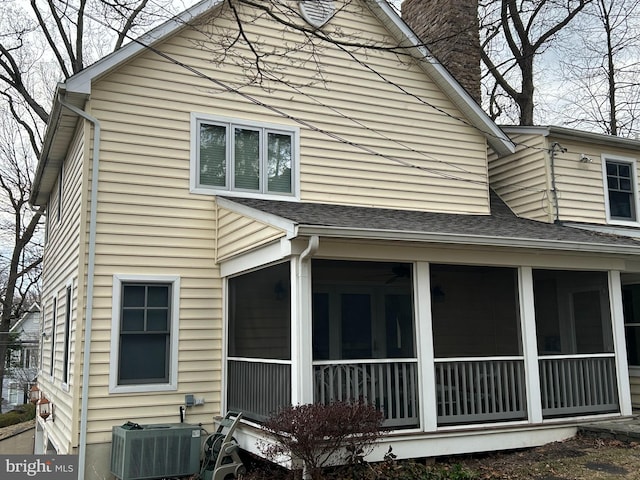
(304, 339)
(552, 153)
(312, 248)
(305, 310)
(90, 273)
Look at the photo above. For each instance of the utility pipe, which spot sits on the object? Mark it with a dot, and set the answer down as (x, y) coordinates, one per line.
(552, 153)
(82, 453)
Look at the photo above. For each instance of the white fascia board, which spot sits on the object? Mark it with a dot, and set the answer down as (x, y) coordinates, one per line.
(81, 82)
(463, 239)
(526, 129)
(574, 134)
(275, 221)
(271, 253)
(498, 140)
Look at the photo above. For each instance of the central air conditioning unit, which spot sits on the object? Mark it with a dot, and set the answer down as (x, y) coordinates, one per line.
(155, 451)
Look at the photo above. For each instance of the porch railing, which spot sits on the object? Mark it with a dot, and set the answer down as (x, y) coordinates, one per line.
(391, 385)
(258, 387)
(479, 390)
(582, 384)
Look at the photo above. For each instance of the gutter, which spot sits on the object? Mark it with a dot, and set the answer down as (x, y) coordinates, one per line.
(466, 239)
(90, 274)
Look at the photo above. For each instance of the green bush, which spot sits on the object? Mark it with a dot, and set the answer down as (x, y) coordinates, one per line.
(21, 413)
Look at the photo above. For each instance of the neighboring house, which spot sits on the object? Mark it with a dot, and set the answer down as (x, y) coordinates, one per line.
(583, 180)
(23, 366)
(331, 237)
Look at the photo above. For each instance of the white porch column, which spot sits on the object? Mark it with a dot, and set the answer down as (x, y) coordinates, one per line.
(424, 344)
(301, 327)
(530, 345)
(619, 343)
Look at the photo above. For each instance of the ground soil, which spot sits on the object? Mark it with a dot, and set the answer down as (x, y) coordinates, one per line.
(580, 458)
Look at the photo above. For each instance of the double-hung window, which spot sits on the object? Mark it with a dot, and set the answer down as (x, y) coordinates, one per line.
(145, 333)
(622, 192)
(245, 157)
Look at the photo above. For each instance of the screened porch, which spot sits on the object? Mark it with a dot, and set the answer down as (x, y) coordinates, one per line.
(365, 346)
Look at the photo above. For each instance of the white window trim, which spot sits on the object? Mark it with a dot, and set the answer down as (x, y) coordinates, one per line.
(196, 118)
(53, 340)
(632, 161)
(172, 384)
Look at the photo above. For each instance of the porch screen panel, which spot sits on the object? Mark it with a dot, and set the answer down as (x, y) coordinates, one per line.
(364, 337)
(260, 314)
(362, 310)
(356, 325)
(479, 370)
(572, 312)
(575, 343)
(631, 305)
(475, 311)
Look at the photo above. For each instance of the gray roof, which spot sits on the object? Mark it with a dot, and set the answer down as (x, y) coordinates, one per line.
(503, 226)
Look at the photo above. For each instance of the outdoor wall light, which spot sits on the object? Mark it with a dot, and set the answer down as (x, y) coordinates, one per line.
(44, 407)
(34, 394)
(585, 158)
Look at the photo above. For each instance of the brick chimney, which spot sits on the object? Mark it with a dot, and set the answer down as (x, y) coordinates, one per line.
(449, 29)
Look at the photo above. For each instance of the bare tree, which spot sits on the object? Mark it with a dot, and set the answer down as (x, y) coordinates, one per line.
(20, 262)
(601, 67)
(43, 40)
(21, 365)
(514, 34)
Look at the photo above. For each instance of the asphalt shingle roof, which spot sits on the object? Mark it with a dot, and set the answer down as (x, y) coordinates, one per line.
(502, 223)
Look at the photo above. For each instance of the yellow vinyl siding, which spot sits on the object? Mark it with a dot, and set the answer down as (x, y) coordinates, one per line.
(417, 155)
(581, 185)
(237, 234)
(414, 135)
(522, 179)
(60, 269)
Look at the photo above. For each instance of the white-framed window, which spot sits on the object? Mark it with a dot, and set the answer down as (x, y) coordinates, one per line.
(66, 364)
(46, 225)
(144, 342)
(14, 389)
(621, 196)
(60, 190)
(52, 339)
(244, 158)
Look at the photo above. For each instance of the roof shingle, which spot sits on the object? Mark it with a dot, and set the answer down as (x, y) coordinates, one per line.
(502, 223)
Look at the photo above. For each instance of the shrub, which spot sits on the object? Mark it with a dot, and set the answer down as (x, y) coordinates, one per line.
(321, 435)
(20, 414)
